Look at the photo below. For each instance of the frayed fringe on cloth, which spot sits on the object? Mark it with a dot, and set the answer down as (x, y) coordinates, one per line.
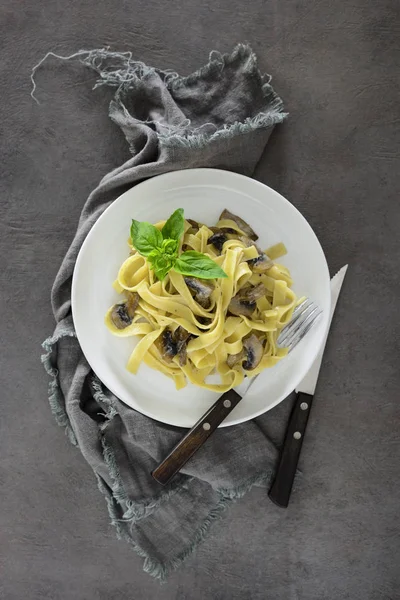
(161, 570)
(118, 70)
(54, 390)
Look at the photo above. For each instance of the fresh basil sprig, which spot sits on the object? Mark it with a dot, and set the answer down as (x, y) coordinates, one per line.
(161, 249)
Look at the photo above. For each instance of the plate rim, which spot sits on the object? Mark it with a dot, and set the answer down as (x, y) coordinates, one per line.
(188, 172)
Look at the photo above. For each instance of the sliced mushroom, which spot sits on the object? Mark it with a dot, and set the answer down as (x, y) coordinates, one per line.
(245, 227)
(250, 356)
(247, 242)
(202, 290)
(122, 313)
(253, 293)
(244, 303)
(167, 345)
(194, 224)
(119, 316)
(234, 359)
(238, 306)
(254, 352)
(204, 320)
(218, 238)
(261, 264)
(182, 337)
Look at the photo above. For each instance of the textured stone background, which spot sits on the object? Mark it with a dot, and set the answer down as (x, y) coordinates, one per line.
(336, 158)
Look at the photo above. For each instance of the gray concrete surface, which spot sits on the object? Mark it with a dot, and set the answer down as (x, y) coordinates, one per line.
(336, 158)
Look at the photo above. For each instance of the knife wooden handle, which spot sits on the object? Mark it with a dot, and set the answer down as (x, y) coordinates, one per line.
(196, 437)
(286, 471)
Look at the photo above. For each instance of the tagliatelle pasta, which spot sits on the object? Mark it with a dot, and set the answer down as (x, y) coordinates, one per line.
(190, 328)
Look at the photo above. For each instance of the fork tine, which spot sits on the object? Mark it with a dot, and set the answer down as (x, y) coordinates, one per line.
(304, 317)
(301, 306)
(299, 326)
(307, 308)
(303, 331)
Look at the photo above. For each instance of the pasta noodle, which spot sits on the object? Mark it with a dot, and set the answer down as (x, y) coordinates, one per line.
(190, 328)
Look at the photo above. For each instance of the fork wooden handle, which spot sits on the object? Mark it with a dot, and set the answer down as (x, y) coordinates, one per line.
(196, 437)
(282, 486)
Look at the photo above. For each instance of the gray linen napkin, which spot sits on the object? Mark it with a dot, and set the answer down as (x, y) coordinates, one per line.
(220, 116)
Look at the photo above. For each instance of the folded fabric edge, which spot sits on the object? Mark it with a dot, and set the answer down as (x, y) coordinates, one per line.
(54, 391)
(116, 497)
(134, 511)
(161, 570)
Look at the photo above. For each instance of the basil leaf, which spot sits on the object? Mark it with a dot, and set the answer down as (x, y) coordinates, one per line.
(153, 256)
(161, 263)
(170, 247)
(145, 237)
(174, 226)
(198, 265)
(161, 273)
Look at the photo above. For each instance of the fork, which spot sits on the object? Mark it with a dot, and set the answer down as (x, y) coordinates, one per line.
(304, 317)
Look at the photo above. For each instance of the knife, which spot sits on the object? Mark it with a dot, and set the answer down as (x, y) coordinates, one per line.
(210, 421)
(282, 486)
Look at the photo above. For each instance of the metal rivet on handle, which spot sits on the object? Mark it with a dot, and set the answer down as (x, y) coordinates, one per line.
(206, 426)
(297, 435)
(227, 403)
(304, 406)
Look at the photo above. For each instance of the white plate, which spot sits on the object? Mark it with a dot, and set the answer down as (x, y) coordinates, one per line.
(203, 193)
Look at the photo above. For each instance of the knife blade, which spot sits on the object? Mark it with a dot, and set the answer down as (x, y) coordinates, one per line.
(282, 486)
(308, 384)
